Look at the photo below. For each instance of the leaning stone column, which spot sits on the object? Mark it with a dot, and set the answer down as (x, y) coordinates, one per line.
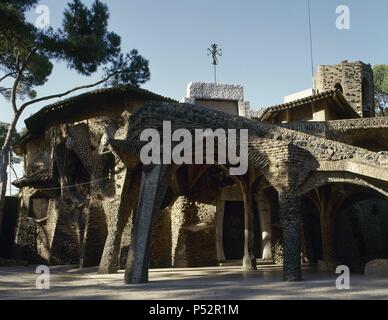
(95, 234)
(291, 220)
(110, 258)
(249, 259)
(152, 191)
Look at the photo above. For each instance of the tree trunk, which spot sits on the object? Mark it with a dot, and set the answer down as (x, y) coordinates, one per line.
(4, 162)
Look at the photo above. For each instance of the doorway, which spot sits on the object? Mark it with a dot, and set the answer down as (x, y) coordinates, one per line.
(233, 230)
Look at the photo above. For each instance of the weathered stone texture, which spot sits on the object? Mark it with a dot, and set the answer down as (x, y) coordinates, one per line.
(97, 211)
(356, 80)
(291, 221)
(221, 97)
(193, 233)
(200, 90)
(161, 240)
(377, 268)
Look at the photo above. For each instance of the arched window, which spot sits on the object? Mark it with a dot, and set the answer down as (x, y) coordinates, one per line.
(39, 205)
(338, 86)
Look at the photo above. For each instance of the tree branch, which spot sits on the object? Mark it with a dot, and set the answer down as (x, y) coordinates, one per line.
(13, 169)
(60, 95)
(19, 76)
(7, 75)
(15, 85)
(5, 89)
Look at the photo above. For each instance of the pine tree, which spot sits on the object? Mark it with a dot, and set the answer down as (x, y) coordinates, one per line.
(27, 54)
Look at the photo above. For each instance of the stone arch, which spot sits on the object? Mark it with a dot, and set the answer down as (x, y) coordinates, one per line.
(231, 187)
(193, 215)
(319, 179)
(333, 194)
(243, 183)
(310, 230)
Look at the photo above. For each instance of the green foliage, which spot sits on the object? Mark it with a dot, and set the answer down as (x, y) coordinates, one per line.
(381, 87)
(83, 42)
(20, 4)
(381, 77)
(3, 133)
(15, 136)
(136, 72)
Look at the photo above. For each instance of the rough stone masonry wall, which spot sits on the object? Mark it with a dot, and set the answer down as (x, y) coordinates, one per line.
(192, 247)
(351, 76)
(75, 229)
(224, 97)
(26, 231)
(328, 150)
(202, 248)
(344, 130)
(161, 240)
(329, 129)
(191, 117)
(184, 234)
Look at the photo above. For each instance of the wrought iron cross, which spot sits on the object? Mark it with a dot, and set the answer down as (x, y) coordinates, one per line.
(215, 52)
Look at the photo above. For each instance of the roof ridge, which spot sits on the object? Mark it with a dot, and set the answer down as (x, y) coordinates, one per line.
(70, 101)
(324, 94)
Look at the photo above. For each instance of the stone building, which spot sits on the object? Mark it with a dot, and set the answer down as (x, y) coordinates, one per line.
(354, 80)
(315, 190)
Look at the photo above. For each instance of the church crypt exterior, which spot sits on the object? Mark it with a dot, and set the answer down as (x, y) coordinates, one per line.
(315, 191)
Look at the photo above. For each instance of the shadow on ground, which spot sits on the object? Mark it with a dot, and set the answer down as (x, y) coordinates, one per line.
(217, 283)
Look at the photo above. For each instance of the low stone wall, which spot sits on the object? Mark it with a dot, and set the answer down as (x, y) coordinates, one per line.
(340, 130)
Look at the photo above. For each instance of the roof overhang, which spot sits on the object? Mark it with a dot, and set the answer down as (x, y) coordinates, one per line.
(335, 96)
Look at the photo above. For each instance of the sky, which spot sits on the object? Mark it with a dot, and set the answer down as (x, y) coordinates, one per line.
(265, 43)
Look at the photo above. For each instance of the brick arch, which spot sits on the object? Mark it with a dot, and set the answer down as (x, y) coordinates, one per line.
(286, 157)
(222, 168)
(263, 140)
(320, 179)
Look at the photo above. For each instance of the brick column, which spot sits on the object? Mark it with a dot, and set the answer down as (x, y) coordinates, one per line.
(291, 220)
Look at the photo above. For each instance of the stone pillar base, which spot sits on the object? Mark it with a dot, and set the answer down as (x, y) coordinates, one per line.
(249, 263)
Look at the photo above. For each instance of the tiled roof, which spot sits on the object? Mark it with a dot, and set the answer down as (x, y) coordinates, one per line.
(265, 113)
(76, 104)
(37, 178)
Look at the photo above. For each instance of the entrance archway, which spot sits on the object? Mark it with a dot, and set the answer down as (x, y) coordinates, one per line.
(353, 224)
